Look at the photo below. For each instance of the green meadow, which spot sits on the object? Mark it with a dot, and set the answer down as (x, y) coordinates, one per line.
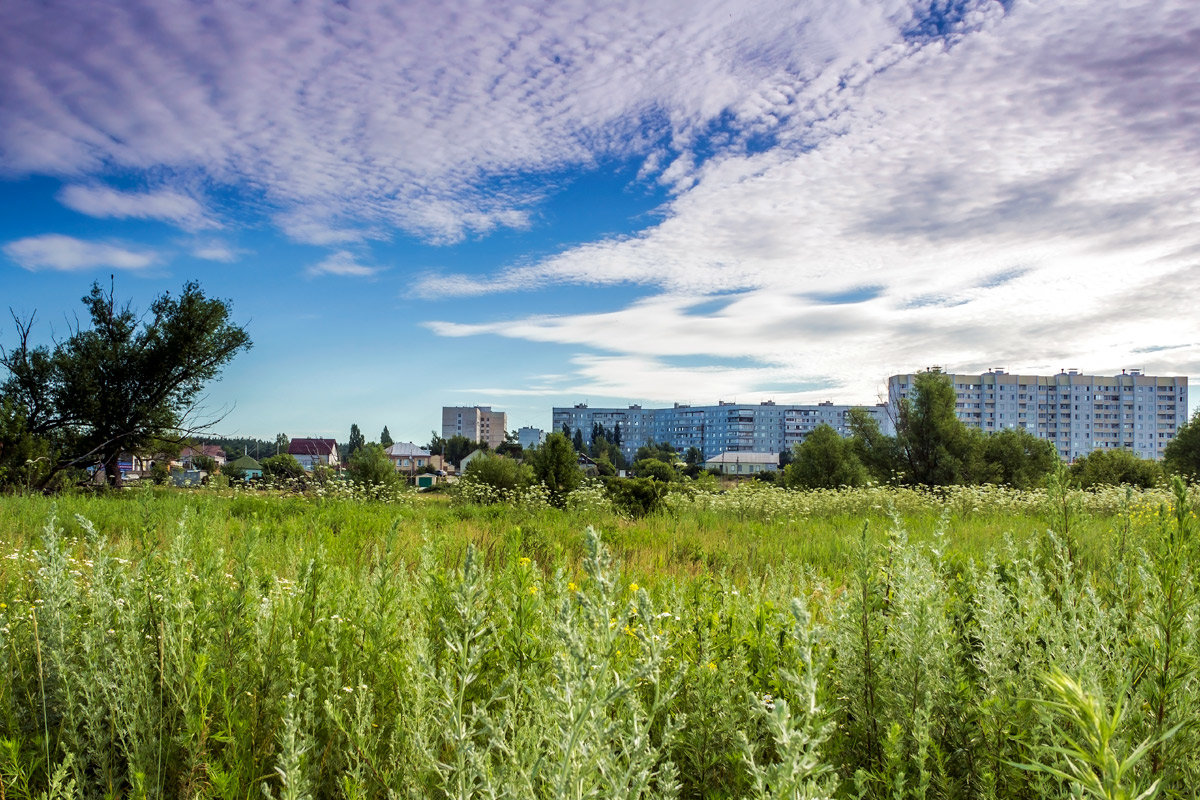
(758, 642)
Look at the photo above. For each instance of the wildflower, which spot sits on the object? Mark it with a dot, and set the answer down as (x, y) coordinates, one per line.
(571, 587)
(3, 606)
(712, 666)
(633, 587)
(532, 590)
(348, 689)
(524, 562)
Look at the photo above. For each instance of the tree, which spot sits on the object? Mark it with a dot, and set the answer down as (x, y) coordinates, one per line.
(510, 446)
(357, 440)
(577, 441)
(127, 379)
(663, 452)
(1017, 458)
(502, 474)
(938, 448)
(824, 460)
(556, 465)
(654, 469)
(282, 443)
(1115, 467)
(385, 438)
(282, 465)
(877, 451)
(370, 465)
(1182, 454)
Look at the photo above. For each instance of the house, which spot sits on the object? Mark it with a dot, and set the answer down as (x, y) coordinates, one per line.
(311, 452)
(469, 457)
(248, 466)
(409, 458)
(210, 450)
(743, 463)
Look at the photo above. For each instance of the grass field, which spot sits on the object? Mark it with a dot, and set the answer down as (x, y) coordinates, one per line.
(880, 643)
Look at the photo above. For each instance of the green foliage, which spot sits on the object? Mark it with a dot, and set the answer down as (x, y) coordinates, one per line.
(356, 441)
(385, 438)
(1115, 467)
(504, 475)
(454, 449)
(556, 466)
(824, 460)
(1015, 457)
(663, 452)
(204, 463)
(370, 465)
(123, 382)
(938, 449)
(636, 497)
(223, 644)
(1182, 454)
(283, 465)
(25, 459)
(879, 453)
(654, 469)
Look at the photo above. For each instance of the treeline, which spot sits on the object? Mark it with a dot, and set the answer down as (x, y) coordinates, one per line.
(932, 447)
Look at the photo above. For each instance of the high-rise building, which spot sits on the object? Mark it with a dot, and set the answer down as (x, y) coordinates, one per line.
(724, 428)
(1077, 413)
(477, 423)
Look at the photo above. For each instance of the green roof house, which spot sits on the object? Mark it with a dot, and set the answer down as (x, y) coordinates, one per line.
(248, 465)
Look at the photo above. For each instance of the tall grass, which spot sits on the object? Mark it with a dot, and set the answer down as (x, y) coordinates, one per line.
(870, 644)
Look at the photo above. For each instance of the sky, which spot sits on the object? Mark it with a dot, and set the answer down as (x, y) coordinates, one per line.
(523, 205)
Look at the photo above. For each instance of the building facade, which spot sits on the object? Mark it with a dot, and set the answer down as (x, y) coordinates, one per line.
(530, 438)
(477, 423)
(1076, 413)
(724, 428)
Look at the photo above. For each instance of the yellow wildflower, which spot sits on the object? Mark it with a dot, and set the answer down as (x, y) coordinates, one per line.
(633, 587)
(524, 562)
(571, 587)
(532, 590)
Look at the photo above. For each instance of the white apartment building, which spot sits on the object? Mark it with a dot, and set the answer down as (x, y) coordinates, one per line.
(1077, 413)
(477, 423)
(724, 428)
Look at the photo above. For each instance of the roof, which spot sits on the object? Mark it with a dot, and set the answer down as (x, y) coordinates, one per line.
(745, 458)
(406, 449)
(245, 463)
(312, 447)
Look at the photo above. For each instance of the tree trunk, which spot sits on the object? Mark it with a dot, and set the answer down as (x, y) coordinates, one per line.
(112, 472)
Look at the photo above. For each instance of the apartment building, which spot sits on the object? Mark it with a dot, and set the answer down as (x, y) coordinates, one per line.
(1077, 413)
(477, 423)
(724, 428)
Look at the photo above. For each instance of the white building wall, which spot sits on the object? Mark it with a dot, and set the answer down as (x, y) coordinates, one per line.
(1077, 413)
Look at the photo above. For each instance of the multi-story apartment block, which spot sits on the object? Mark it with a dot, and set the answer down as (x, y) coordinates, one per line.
(724, 428)
(1077, 413)
(477, 423)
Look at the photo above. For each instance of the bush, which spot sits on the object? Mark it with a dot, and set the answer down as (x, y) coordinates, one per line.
(370, 465)
(636, 497)
(159, 474)
(654, 469)
(283, 465)
(502, 474)
(1115, 467)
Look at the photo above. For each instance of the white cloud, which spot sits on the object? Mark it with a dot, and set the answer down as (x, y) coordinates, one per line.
(1026, 197)
(163, 204)
(68, 254)
(341, 263)
(416, 115)
(214, 250)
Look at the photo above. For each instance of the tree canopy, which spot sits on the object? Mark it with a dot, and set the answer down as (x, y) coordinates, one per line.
(121, 383)
(824, 460)
(556, 464)
(1182, 454)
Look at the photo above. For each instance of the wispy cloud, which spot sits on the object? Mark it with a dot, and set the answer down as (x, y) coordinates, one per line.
(68, 254)
(214, 250)
(418, 115)
(162, 204)
(912, 191)
(344, 263)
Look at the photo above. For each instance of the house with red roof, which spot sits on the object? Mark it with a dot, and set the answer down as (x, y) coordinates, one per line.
(311, 452)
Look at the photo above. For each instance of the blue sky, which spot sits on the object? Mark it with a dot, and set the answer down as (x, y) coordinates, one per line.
(526, 205)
